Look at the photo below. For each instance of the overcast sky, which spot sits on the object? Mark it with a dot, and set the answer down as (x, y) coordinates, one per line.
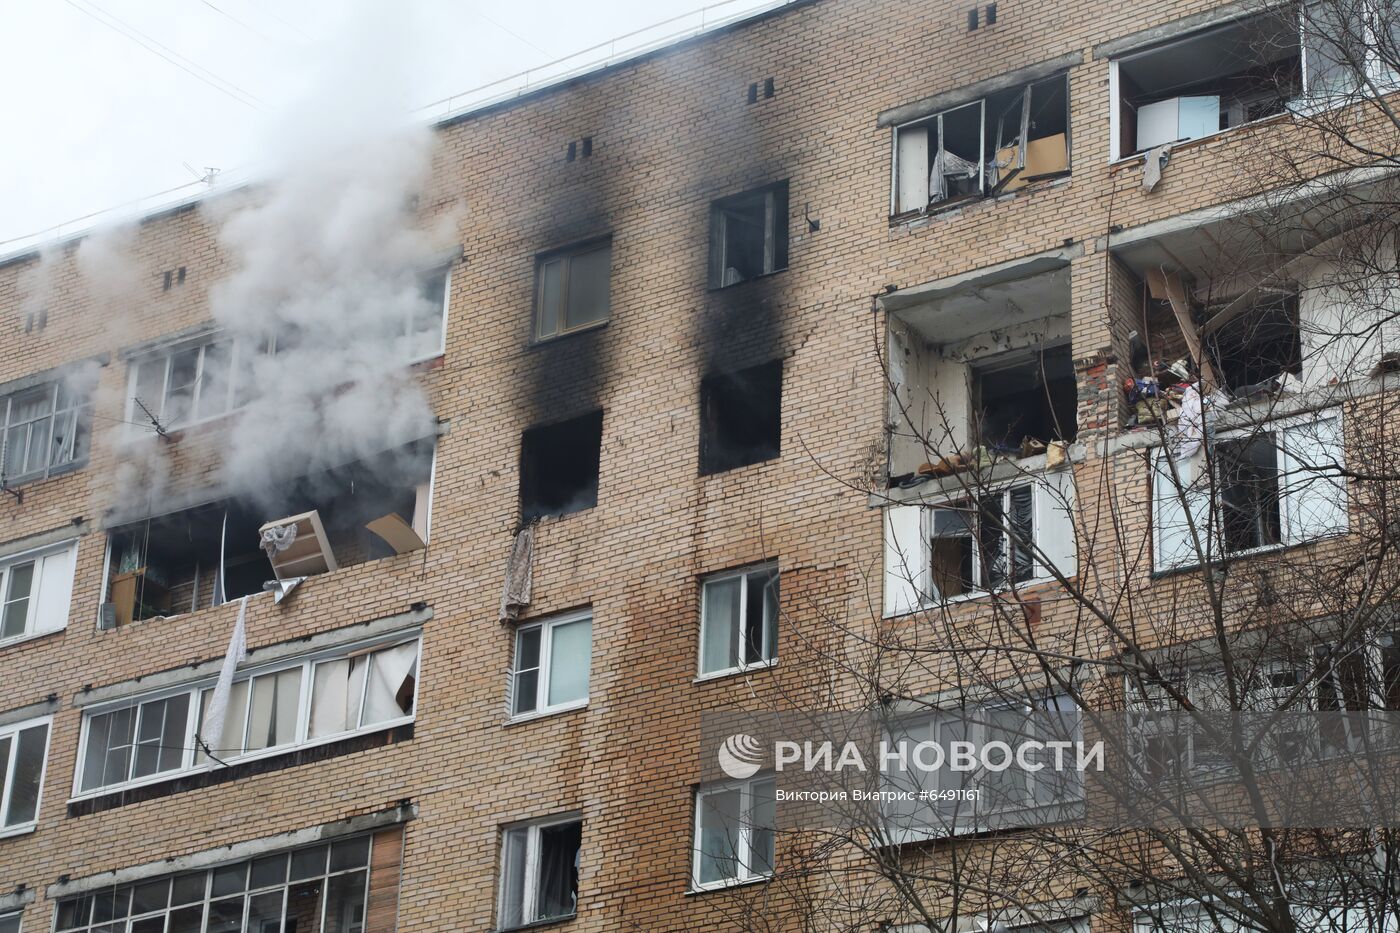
(107, 101)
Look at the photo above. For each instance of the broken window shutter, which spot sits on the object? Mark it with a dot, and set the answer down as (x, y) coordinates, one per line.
(912, 164)
(55, 581)
(1313, 491)
(778, 218)
(1054, 523)
(906, 559)
(1176, 513)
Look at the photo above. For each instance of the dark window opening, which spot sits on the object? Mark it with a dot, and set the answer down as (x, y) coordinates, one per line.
(1026, 397)
(212, 553)
(768, 89)
(749, 235)
(1208, 82)
(740, 417)
(559, 467)
(753, 93)
(1258, 346)
(586, 147)
(1249, 493)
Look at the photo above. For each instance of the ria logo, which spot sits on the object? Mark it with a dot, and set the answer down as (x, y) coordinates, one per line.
(740, 756)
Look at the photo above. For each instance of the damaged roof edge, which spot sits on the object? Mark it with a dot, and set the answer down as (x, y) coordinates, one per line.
(238, 851)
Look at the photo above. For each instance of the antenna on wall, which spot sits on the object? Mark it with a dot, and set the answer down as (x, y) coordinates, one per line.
(208, 176)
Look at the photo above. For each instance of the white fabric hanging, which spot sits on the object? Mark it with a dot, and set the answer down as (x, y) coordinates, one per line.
(212, 729)
(387, 671)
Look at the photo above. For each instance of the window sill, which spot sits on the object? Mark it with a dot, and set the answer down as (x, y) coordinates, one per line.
(537, 924)
(6, 644)
(960, 484)
(538, 714)
(729, 885)
(33, 479)
(1250, 553)
(1041, 183)
(23, 829)
(556, 338)
(1199, 141)
(729, 672)
(758, 278)
(248, 762)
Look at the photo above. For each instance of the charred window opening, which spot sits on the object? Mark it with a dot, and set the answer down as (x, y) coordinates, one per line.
(202, 556)
(997, 143)
(749, 235)
(1207, 82)
(1249, 493)
(1256, 347)
(559, 467)
(1026, 397)
(740, 417)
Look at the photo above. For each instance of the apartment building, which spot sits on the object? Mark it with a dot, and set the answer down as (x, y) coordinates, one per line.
(664, 395)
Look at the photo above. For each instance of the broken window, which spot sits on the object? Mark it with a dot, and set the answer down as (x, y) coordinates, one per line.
(23, 747)
(539, 872)
(202, 556)
(1019, 535)
(1025, 396)
(1206, 82)
(997, 143)
(734, 832)
(35, 590)
(740, 417)
(573, 289)
(559, 467)
(1257, 345)
(748, 235)
(42, 429)
(983, 544)
(425, 323)
(321, 887)
(552, 662)
(353, 690)
(739, 620)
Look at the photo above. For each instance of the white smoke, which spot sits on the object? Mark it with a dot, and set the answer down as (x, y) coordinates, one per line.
(327, 259)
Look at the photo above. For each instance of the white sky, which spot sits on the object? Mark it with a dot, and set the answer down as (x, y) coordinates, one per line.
(90, 119)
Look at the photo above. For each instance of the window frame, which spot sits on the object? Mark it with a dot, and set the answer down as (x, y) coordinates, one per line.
(1194, 489)
(743, 574)
(17, 916)
(772, 250)
(190, 762)
(983, 815)
(546, 627)
(166, 355)
(932, 123)
(1003, 493)
(73, 413)
(440, 347)
(529, 885)
(567, 254)
(36, 556)
(743, 858)
(12, 732)
(246, 893)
